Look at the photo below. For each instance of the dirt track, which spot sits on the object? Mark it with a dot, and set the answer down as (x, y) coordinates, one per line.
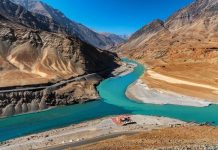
(183, 137)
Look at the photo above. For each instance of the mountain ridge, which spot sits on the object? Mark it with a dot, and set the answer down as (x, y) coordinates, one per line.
(72, 28)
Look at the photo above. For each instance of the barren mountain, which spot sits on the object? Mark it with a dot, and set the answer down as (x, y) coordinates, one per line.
(69, 26)
(142, 35)
(186, 35)
(20, 15)
(48, 55)
(39, 68)
(117, 39)
(180, 47)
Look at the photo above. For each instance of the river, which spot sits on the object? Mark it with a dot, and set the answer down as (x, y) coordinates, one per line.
(113, 102)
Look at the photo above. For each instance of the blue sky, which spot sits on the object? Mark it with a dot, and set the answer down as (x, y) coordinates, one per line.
(117, 16)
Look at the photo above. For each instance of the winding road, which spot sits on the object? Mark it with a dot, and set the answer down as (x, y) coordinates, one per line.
(60, 83)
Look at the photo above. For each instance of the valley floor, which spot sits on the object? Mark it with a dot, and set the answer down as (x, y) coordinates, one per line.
(184, 84)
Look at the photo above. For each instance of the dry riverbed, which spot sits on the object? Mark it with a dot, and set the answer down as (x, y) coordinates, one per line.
(87, 130)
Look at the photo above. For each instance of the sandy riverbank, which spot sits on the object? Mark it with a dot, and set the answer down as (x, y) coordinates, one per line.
(192, 79)
(141, 92)
(124, 69)
(87, 130)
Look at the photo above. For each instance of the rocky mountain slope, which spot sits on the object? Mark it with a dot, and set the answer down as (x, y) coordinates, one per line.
(188, 35)
(69, 26)
(142, 35)
(184, 47)
(20, 15)
(35, 57)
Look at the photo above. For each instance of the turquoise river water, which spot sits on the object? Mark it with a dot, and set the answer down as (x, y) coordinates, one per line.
(113, 102)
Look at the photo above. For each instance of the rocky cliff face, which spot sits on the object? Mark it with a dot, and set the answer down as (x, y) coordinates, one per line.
(43, 62)
(17, 102)
(190, 35)
(70, 27)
